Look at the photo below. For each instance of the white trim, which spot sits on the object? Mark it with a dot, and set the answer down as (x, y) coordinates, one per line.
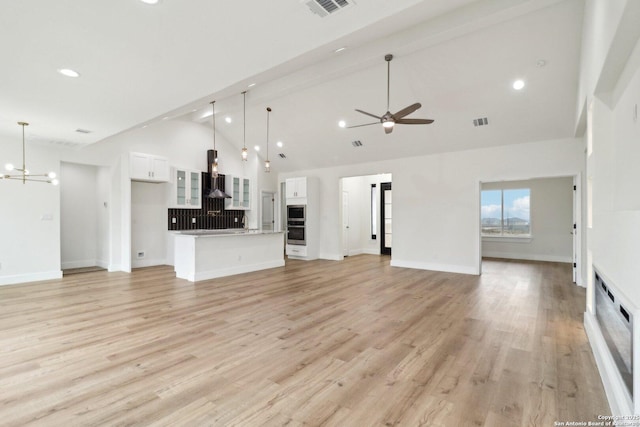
(222, 272)
(102, 264)
(463, 269)
(147, 263)
(369, 251)
(331, 257)
(79, 264)
(618, 398)
(508, 239)
(30, 277)
(528, 257)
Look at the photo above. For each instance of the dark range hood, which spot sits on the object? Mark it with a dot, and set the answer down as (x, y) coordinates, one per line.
(214, 192)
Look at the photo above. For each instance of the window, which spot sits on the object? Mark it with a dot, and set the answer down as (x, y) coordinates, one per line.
(505, 213)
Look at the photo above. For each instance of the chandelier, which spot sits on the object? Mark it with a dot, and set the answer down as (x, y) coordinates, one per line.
(23, 173)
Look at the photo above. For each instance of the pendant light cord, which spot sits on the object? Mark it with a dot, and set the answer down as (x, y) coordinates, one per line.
(244, 119)
(268, 112)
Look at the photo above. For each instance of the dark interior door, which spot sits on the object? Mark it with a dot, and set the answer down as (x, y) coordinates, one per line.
(385, 218)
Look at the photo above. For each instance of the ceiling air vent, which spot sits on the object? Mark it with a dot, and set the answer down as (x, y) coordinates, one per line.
(83, 130)
(480, 122)
(324, 8)
(356, 143)
(282, 156)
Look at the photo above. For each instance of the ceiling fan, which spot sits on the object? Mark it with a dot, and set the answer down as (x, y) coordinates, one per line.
(388, 120)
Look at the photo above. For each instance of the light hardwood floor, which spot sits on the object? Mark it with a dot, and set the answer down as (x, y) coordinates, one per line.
(352, 343)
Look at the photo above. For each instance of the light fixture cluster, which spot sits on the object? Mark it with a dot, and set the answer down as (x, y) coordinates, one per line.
(23, 173)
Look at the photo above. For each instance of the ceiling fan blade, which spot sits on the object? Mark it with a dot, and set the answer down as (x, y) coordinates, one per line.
(359, 126)
(407, 110)
(414, 121)
(368, 114)
(388, 130)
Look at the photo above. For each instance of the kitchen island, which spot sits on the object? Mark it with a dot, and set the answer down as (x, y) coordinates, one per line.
(207, 254)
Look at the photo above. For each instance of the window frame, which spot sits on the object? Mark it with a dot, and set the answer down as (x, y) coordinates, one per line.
(524, 238)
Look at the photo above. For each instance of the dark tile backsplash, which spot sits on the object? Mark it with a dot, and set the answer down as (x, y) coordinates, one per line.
(225, 219)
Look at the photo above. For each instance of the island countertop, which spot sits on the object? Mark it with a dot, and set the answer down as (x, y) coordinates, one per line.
(207, 254)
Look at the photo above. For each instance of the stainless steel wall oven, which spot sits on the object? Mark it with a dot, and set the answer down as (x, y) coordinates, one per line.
(296, 234)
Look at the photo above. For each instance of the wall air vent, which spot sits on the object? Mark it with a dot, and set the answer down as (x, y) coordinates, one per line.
(356, 143)
(282, 156)
(324, 8)
(480, 122)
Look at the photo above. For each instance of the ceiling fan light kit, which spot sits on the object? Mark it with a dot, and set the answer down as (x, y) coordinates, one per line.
(389, 120)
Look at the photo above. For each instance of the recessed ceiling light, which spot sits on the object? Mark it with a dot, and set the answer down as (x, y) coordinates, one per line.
(257, 148)
(69, 72)
(165, 118)
(518, 84)
(228, 119)
(342, 123)
(150, 1)
(279, 144)
(340, 49)
(251, 85)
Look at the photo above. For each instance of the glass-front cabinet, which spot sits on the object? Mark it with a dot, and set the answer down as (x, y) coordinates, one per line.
(239, 188)
(187, 190)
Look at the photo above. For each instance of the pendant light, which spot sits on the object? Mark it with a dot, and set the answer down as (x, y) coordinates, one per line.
(245, 153)
(267, 163)
(24, 174)
(214, 166)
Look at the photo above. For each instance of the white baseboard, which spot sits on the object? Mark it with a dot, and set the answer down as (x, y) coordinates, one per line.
(79, 264)
(114, 267)
(619, 399)
(371, 251)
(463, 269)
(30, 277)
(206, 275)
(528, 257)
(139, 263)
(331, 257)
(102, 264)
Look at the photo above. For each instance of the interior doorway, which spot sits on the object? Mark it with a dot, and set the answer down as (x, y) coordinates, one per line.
(360, 211)
(535, 219)
(268, 205)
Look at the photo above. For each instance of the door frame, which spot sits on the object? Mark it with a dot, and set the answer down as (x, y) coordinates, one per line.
(383, 249)
(273, 208)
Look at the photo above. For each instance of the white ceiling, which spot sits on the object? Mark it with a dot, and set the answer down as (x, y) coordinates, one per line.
(140, 63)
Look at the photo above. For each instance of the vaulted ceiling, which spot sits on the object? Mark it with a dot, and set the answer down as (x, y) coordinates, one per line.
(141, 63)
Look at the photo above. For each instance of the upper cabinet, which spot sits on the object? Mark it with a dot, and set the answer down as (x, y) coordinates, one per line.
(239, 188)
(148, 168)
(296, 190)
(186, 191)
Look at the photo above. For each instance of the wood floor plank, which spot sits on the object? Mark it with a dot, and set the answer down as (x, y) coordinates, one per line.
(348, 343)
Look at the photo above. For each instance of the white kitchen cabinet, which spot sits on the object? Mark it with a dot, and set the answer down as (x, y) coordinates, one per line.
(296, 188)
(186, 189)
(148, 168)
(239, 188)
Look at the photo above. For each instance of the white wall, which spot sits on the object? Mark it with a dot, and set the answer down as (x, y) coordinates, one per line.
(78, 215)
(436, 199)
(613, 238)
(551, 210)
(103, 201)
(29, 244)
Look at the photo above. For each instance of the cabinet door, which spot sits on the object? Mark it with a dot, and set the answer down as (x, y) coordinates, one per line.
(194, 187)
(181, 188)
(246, 193)
(139, 166)
(301, 187)
(160, 169)
(291, 188)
